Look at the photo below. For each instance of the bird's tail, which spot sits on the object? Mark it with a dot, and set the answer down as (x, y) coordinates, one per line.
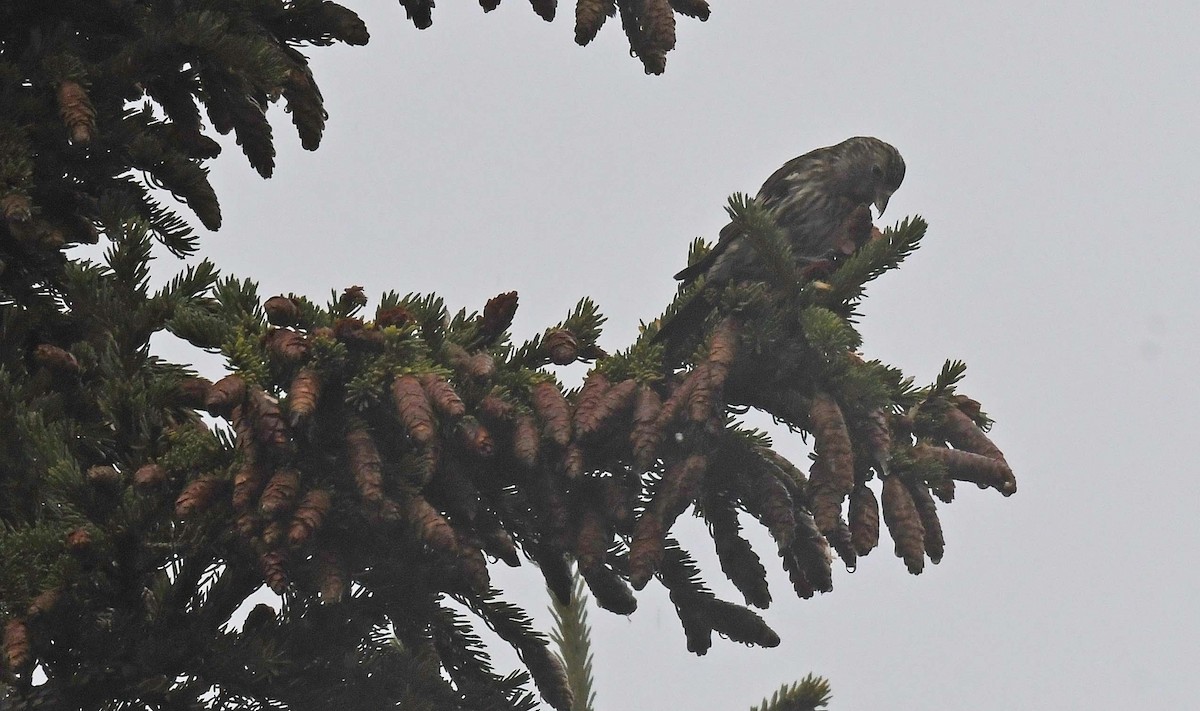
(679, 330)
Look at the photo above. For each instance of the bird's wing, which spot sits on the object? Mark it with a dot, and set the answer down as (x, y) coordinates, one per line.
(779, 185)
(728, 235)
(776, 188)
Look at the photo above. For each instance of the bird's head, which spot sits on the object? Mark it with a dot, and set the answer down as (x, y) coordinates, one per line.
(872, 170)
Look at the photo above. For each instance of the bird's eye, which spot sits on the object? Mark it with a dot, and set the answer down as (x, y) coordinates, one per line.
(877, 171)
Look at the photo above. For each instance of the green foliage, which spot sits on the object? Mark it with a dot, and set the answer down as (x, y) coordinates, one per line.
(747, 218)
(830, 336)
(872, 260)
(808, 694)
(365, 470)
(572, 635)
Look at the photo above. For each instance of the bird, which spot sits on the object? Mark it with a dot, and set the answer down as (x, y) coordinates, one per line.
(812, 198)
(809, 197)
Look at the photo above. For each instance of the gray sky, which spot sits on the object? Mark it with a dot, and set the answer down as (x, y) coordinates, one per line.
(1051, 146)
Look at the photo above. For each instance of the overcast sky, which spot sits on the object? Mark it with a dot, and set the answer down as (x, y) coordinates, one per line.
(1052, 148)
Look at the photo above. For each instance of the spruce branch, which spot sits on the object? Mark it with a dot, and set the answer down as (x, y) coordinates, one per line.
(809, 694)
(572, 635)
(363, 465)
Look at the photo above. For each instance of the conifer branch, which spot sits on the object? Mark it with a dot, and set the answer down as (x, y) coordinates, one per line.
(363, 465)
(572, 635)
(809, 694)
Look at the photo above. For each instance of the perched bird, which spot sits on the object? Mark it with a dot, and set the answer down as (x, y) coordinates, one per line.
(810, 197)
(813, 198)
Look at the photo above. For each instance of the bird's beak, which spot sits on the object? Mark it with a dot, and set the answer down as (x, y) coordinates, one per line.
(881, 201)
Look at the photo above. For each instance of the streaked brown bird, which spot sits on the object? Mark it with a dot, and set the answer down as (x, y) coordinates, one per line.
(812, 198)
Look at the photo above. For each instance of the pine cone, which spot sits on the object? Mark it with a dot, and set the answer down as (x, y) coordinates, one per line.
(618, 399)
(225, 394)
(430, 525)
(595, 386)
(878, 440)
(267, 419)
(249, 479)
(573, 462)
(904, 523)
(366, 465)
(17, 652)
(560, 346)
(497, 316)
(77, 112)
(658, 25)
(767, 499)
(473, 566)
(647, 433)
(544, 8)
(426, 463)
(679, 397)
(56, 359)
(935, 542)
(610, 591)
(702, 403)
(286, 345)
(248, 524)
(395, 316)
(797, 575)
(618, 501)
(354, 333)
(679, 487)
(824, 503)
(810, 552)
(832, 474)
(17, 208)
(280, 494)
(591, 545)
(44, 602)
(841, 542)
(976, 468)
(104, 475)
(309, 517)
(526, 441)
(330, 576)
(79, 541)
(198, 495)
(419, 11)
(864, 519)
(413, 408)
(722, 351)
(273, 534)
(738, 560)
(552, 410)
(962, 433)
(480, 366)
(496, 408)
(303, 394)
(589, 18)
(281, 311)
(193, 391)
(692, 8)
(303, 97)
(443, 396)
(549, 676)
(738, 623)
(944, 489)
(475, 437)
(272, 566)
(495, 540)
(646, 549)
